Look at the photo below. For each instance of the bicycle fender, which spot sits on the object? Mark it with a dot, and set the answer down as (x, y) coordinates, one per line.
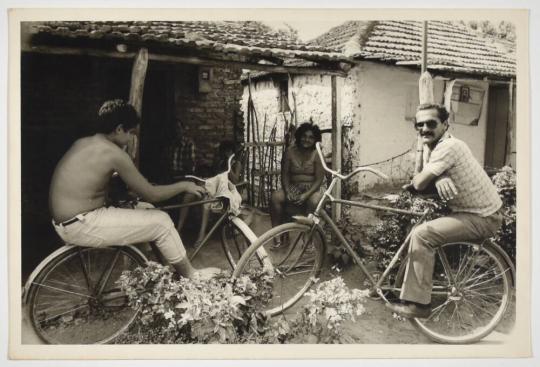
(507, 259)
(40, 267)
(252, 237)
(52, 256)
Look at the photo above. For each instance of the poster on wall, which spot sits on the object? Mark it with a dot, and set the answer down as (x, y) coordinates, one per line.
(466, 104)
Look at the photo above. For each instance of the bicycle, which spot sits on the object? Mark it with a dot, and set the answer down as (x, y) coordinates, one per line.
(72, 294)
(471, 283)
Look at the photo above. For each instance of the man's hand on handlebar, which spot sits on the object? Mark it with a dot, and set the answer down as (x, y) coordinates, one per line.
(193, 188)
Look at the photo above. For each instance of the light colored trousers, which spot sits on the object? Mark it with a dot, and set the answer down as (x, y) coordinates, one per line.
(418, 278)
(118, 227)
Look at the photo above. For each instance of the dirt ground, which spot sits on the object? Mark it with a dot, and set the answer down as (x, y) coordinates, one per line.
(376, 326)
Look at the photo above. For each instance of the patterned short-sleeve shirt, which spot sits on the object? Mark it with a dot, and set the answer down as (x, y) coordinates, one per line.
(452, 158)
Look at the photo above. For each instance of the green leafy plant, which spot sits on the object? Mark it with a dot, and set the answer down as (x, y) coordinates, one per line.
(388, 234)
(321, 320)
(505, 182)
(220, 310)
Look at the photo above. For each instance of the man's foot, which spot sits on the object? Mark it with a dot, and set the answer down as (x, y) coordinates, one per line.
(410, 309)
(206, 273)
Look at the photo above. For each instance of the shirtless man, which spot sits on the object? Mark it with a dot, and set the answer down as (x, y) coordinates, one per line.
(79, 189)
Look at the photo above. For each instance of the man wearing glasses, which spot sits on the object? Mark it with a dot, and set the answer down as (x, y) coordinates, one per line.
(462, 182)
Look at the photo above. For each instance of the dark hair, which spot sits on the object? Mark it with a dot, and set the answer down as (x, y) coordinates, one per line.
(306, 126)
(115, 112)
(442, 113)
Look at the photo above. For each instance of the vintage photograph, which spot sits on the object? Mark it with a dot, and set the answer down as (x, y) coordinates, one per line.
(268, 182)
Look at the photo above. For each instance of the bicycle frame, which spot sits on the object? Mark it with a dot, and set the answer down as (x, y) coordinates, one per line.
(320, 213)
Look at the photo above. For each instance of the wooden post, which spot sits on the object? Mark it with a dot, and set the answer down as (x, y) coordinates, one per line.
(510, 124)
(419, 145)
(138, 75)
(336, 142)
(424, 46)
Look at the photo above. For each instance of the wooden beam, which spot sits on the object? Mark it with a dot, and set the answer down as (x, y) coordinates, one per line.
(510, 124)
(138, 75)
(194, 60)
(418, 163)
(336, 142)
(424, 46)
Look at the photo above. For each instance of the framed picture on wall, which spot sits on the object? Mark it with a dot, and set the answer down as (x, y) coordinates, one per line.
(466, 104)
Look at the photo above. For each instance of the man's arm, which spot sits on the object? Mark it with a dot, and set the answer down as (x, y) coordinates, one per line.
(422, 180)
(138, 183)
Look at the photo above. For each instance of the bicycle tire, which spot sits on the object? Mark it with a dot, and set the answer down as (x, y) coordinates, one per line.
(234, 243)
(79, 316)
(294, 267)
(468, 305)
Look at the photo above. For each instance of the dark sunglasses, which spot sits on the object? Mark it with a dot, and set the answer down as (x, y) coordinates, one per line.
(431, 124)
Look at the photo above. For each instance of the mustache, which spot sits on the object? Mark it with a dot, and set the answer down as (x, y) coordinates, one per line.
(427, 134)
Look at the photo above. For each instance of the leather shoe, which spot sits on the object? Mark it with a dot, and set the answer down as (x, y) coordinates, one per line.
(410, 309)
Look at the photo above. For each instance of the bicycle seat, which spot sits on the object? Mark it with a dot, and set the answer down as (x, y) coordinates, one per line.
(302, 220)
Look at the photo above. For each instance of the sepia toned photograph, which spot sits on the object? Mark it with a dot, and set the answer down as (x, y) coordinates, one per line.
(302, 182)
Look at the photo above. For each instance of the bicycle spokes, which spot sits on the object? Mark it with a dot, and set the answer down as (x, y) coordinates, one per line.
(76, 300)
(470, 293)
(291, 267)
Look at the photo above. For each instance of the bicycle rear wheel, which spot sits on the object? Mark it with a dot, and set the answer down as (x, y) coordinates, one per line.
(75, 298)
(471, 292)
(234, 243)
(292, 267)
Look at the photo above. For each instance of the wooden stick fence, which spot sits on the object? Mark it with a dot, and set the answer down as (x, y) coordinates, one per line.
(264, 154)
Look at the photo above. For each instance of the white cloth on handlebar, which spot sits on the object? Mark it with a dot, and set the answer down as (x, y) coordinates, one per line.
(220, 186)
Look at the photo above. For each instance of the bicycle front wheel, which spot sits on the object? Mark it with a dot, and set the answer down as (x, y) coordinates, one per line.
(75, 298)
(471, 292)
(291, 255)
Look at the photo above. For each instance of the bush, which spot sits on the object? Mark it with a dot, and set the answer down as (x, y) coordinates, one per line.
(387, 236)
(220, 310)
(322, 318)
(390, 232)
(505, 182)
(224, 310)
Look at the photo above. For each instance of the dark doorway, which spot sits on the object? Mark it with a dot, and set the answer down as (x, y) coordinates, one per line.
(60, 99)
(158, 123)
(497, 125)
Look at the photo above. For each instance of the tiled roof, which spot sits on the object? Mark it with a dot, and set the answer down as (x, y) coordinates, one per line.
(243, 38)
(451, 47)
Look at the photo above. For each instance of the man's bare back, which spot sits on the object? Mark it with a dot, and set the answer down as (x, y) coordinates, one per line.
(80, 184)
(81, 178)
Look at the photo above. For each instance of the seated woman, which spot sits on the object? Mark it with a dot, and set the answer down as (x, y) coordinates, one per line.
(302, 174)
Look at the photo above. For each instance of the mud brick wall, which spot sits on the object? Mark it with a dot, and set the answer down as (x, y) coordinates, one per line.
(209, 117)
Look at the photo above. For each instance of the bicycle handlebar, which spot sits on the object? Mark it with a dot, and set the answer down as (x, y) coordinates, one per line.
(229, 167)
(346, 177)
